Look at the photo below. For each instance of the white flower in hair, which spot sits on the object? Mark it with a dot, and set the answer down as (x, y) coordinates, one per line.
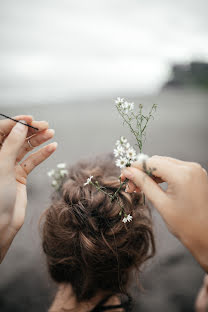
(142, 157)
(58, 175)
(61, 166)
(88, 180)
(127, 218)
(63, 172)
(51, 173)
(54, 183)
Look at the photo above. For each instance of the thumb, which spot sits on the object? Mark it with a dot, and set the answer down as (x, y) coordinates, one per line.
(14, 141)
(146, 184)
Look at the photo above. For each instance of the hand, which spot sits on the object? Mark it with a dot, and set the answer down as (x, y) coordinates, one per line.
(201, 304)
(183, 206)
(13, 173)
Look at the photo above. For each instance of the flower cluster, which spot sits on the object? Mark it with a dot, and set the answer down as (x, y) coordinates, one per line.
(127, 218)
(126, 154)
(124, 105)
(57, 175)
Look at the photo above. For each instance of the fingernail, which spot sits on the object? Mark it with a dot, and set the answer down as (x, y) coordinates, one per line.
(52, 147)
(51, 132)
(19, 126)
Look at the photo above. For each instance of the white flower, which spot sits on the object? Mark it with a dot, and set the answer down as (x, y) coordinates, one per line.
(61, 166)
(119, 151)
(124, 220)
(131, 153)
(131, 106)
(88, 181)
(118, 143)
(127, 145)
(127, 218)
(54, 183)
(63, 172)
(51, 173)
(121, 162)
(142, 157)
(119, 100)
(126, 106)
(123, 140)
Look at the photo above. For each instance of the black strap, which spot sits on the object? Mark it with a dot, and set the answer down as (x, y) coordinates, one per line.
(100, 306)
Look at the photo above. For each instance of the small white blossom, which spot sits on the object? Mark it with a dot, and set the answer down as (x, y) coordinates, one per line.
(51, 173)
(123, 140)
(131, 153)
(124, 220)
(119, 100)
(63, 172)
(131, 106)
(61, 166)
(127, 218)
(88, 180)
(54, 183)
(121, 162)
(118, 143)
(127, 145)
(142, 157)
(119, 151)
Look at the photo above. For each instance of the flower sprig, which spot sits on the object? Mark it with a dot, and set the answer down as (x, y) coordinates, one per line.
(124, 153)
(137, 121)
(57, 175)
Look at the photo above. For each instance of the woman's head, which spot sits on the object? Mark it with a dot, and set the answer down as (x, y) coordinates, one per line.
(84, 239)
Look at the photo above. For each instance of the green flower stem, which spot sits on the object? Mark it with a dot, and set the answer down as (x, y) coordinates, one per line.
(118, 190)
(100, 188)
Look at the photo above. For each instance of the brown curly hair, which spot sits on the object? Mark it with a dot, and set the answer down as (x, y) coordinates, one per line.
(85, 242)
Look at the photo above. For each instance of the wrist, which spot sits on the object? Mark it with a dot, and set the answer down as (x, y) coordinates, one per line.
(198, 246)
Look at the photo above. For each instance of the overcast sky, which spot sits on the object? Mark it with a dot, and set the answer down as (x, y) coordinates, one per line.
(67, 48)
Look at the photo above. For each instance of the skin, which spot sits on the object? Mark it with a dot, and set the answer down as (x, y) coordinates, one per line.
(183, 206)
(201, 304)
(14, 172)
(66, 299)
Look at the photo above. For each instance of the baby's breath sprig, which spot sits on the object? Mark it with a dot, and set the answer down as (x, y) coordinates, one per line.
(57, 175)
(137, 121)
(124, 153)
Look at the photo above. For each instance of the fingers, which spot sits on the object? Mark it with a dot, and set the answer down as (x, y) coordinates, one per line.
(163, 168)
(13, 142)
(38, 157)
(41, 125)
(6, 125)
(146, 184)
(35, 140)
(131, 187)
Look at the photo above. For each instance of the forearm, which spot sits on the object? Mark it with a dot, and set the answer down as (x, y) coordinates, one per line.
(7, 234)
(199, 249)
